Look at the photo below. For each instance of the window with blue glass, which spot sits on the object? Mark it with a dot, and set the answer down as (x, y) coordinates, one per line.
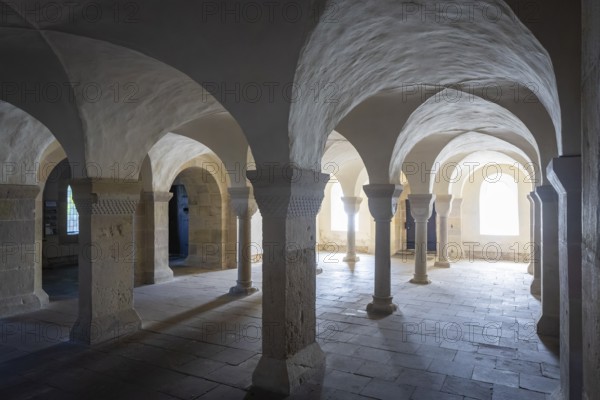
(72, 214)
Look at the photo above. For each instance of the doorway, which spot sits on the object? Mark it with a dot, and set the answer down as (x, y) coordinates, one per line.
(179, 221)
(431, 230)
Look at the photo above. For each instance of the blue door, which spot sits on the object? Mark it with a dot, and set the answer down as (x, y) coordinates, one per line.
(410, 230)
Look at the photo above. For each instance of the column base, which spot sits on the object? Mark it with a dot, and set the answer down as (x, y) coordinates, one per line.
(442, 264)
(420, 280)
(105, 328)
(351, 258)
(548, 326)
(244, 289)
(159, 276)
(284, 376)
(536, 287)
(23, 304)
(381, 306)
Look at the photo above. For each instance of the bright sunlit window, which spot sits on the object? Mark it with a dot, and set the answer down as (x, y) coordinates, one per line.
(499, 206)
(339, 219)
(72, 214)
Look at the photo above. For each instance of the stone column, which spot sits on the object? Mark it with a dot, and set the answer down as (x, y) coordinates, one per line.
(421, 206)
(530, 267)
(20, 251)
(106, 213)
(351, 206)
(289, 200)
(229, 238)
(591, 197)
(565, 175)
(244, 207)
(548, 323)
(455, 250)
(443, 206)
(156, 238)
(536, 229)
(383, 200)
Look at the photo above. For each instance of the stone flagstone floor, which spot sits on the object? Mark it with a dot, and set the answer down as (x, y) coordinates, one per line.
(468, 335)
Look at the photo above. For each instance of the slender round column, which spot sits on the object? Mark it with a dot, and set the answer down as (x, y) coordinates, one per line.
(421, 206)
(443, 205)
(351, 206)
(244, 207)
(383, 199)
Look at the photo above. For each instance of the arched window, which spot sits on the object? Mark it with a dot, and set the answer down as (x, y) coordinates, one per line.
(499, 206)
(339, 219)
(72, 214)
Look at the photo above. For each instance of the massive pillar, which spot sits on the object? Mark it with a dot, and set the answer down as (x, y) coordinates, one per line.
(530, 267)
(289, 200)
(244, 207)
(421, 206)
(565, 175)
(536, 284)
(106, 213)
(591, 198)
(443, 205)
(548, 324)
(20, 251)
(383, 199)
(351, 206)
(155, 236)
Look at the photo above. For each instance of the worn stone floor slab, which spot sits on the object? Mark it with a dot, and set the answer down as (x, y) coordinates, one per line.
(468, 335)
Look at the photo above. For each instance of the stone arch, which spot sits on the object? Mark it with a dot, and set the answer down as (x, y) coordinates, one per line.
(205, 218)
(113, 94)
(347, 59)
(466, 194)
(273, 61)
(169, 158)
(343, 161)
(433, 126)
(25, 142)
(27, 157)
(447, 162)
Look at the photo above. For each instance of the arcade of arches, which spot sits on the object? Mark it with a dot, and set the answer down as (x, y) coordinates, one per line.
(334, 180)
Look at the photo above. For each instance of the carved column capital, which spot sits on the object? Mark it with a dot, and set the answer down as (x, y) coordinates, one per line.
(10, 191)
(288, 192)
(421, 206)
(351, 204)
(242, 201)
(383, 200)
(94, 196)
(443, 204)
